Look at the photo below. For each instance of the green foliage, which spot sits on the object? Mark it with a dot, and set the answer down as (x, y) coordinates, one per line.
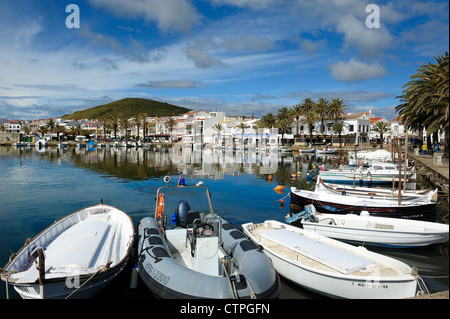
(128, 108)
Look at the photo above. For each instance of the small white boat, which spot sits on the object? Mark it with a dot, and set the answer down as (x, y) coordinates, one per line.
(307, 151)
(372, 230)
(331, 267)
(76, 256)
(327, 150)
(41, 143)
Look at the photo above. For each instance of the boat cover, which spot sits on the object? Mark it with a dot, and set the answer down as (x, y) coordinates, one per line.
(338, 259)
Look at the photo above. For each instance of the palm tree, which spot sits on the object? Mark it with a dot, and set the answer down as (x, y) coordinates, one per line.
(338, 127)
(138, 120)
(308, 105)
(42, 130)
(170, 124)
(336, 109)
(310, 119)
(59, 129)
(322, 109)
(269, 120)
(297, 111)
(113, 123)
(218, 127)
(425, 99)
(51, 125)
(124, 124)
(381, 127)
(242, 126)
(284, 120)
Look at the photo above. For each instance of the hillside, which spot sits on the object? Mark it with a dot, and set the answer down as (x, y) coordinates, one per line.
(128, 107)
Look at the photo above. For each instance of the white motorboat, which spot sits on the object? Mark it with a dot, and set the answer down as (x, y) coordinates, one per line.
(372, 230)
(204, 256)
(75, 257)
(331, 267)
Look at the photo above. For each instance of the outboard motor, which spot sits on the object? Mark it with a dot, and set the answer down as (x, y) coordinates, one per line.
(180, 213)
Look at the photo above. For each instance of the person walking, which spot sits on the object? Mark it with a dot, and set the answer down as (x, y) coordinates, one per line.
(424, 149)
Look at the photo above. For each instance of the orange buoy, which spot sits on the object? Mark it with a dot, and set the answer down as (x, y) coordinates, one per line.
(160, 206)
(279, 188)
(269, 177)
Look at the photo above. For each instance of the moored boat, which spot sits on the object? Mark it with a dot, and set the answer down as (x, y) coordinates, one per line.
(325, 202)
(371, 230)
(204, 256)
(76, 256)
(376, 192)
(331, 267)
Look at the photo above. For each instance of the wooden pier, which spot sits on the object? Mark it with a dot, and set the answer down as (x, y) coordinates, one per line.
(437, 173)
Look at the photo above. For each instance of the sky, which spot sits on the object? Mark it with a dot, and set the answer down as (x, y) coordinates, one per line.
(243, 57)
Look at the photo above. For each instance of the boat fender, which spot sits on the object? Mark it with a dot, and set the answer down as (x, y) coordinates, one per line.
(160, 206)
(364, 213)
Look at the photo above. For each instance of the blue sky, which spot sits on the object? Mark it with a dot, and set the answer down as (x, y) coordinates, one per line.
(243, 57)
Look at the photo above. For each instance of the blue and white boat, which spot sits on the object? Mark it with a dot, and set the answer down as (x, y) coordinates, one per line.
(372, 230)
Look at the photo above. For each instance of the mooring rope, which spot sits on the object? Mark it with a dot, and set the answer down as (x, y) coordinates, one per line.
(423, 290)
(100, 268)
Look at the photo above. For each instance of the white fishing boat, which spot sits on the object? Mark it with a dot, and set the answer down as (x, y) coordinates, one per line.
(371, 230)
(203, 256)
(376, 192)
(331, 267)
(75, 257)
(364, 176)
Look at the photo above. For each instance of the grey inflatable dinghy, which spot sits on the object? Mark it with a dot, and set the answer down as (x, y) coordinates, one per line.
(204, 256)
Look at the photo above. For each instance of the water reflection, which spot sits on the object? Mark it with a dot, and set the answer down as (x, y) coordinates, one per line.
(241, 189)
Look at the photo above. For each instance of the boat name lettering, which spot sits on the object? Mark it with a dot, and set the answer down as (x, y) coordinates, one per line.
(157, 275)
(370, 285)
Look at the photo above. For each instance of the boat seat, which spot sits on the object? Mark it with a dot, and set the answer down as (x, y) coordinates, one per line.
(190, 217)
(80, 243)
(338, 259)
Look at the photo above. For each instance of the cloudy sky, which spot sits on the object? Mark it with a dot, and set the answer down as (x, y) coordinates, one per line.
(243, 57)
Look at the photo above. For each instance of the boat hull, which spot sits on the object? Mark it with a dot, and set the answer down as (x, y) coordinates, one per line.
(170, 279)
(83, 252)
(335, 204)
(323, 280)
(61, 289)
(377, 231)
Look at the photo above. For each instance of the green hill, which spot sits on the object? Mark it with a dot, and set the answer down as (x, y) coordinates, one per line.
(128, 107)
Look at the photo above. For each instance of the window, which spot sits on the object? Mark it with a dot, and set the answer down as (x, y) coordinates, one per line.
(350, 129)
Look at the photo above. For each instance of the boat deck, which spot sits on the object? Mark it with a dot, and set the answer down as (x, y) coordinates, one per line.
(320, 256)
(80, 249)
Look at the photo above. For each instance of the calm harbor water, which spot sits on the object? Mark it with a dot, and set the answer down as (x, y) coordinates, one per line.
(38, 187)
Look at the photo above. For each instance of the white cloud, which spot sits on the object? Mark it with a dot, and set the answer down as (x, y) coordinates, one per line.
(169, 15)
(355, 71)
(368, 42)
(201, 58)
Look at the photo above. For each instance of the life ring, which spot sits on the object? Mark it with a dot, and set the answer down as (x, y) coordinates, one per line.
(160, 206)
